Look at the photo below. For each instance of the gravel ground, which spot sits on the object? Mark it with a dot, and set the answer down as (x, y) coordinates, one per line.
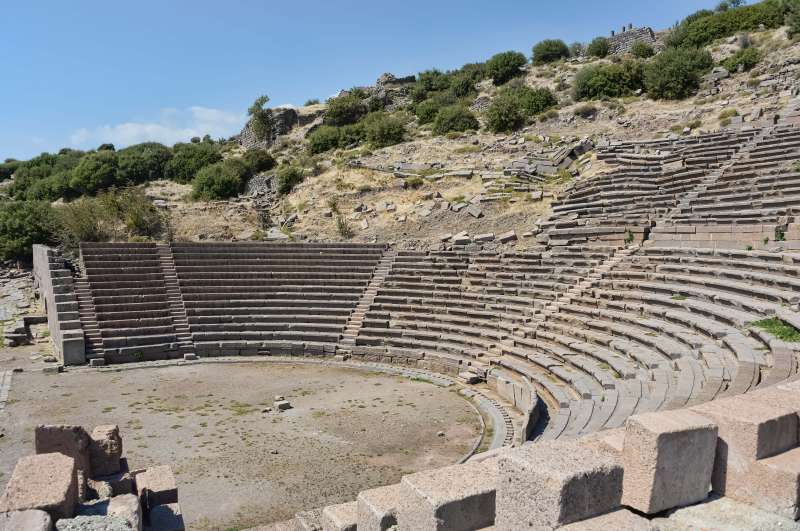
(236, 465)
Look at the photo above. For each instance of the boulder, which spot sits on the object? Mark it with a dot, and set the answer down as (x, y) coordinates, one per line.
(156, 486)
(72, 441)
(342, 517)
(32, 520)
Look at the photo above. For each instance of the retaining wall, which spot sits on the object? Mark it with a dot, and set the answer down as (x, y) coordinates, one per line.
(54, 283)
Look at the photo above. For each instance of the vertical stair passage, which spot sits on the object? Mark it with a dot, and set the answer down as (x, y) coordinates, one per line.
(356, 320)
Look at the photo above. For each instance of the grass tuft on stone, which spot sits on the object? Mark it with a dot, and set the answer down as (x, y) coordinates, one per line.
(780, 329)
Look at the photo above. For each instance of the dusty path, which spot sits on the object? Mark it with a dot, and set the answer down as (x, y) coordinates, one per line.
(349, 430)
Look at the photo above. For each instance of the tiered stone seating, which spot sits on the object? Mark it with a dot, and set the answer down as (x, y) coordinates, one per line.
(749, 205)
(129, 302)
(247, 298)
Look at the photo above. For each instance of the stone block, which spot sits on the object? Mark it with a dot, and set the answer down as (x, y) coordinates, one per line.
(619, 520)
(156, 486)
(47, 482)
(93, 523)
(342, 517)
(31, 520)
(167, 517)
(377, 508)
(105, 450)
(507, 237)
(72, 441)
(127, 507)
(453, 498)
(565, 482)
(281, 405)
(772, 484)
(668, 458)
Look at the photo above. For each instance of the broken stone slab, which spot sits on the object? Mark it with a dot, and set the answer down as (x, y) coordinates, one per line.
(166, 517)
(507, 237)
(72, 441)
(469, 377)
(105, 450)
(342, 517)
(482, 238)
(47, 482)
(281, 405)
(565, 482)
(474, 211)
(445, 237)
(458, 207)
(461, 238)
(377, 508)
(453, 498)
(668, 458)
(722, 514)
(156, 486)
(93, 523)
(128, 507)
(31, 520)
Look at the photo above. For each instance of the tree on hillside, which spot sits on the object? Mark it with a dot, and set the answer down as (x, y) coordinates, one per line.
(261, 118)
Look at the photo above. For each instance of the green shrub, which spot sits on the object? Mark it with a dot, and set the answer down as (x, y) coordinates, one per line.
(142, 163)
(475, 72)
(586, 111)
(22, 224)
(312, 101)
(599, 47)
(414, 182)
(8, 168)
(220, 180)
(30, 172)
(532, 101)
(345, 109)
(260, 119)
(576, 49)
(454, 118)
(188, 159)
(642, 50)
(324, 138)
(426, 111)
(747, 59)
(258, 161)
(609, 80)
(51, 188)
(86, 220)
(705, 26)
(288, 177)
(381, 129)
(676, 73)
(136, 212)
(549, 50)
(352, 134)
(433, 80)
(503, 67)
(504, 115)
(96, 171)
(792, 19)
(461, 85)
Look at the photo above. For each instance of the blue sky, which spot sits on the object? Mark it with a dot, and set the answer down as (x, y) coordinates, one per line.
(80, 73)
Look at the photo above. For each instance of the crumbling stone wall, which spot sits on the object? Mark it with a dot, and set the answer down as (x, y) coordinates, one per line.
(283, 119)
(620, 43)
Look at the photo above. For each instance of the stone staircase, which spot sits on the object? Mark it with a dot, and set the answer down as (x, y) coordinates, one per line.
(356, 319)
(177, 309)
(88, 318)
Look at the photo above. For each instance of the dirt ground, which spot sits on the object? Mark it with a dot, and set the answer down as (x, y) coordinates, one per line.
(238, 466)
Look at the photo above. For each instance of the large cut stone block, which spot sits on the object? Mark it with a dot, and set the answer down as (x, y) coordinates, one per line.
(542, 486)
(167, 517)
(156, 486)
(342, 517)
(668, 458)
(72, 441)
(750, 429)
(32, 520)
(128, 507)
(45, 481)
(377, 508)
(453, 498)
(105, 450)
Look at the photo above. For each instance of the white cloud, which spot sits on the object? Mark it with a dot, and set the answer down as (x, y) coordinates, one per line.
(173, 125)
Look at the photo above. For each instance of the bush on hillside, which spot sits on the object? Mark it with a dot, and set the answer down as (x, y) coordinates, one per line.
(532, 101)
(475, 72)
(576, 49)
(504, 115)
(188, 159)
(258, 161)
(220, 180)
(260, 119)
(427, 110)
(142, 163)
(676, 73)
(792, 20)
(705, 26)
(29, 172)
(288, 177)
(22, 224)
(381, 129)
(51, 188)
(746, 59)
(599, 47)
(8, 168)
(642, 50)
(351, 135)
(433, 80)
(461, 85)
(454, 118)
(134, 211)
(324, 138)
(312, 101)
(345, 109)
(549, 50)
(608, 80)
(96, 171)
(503, 67)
